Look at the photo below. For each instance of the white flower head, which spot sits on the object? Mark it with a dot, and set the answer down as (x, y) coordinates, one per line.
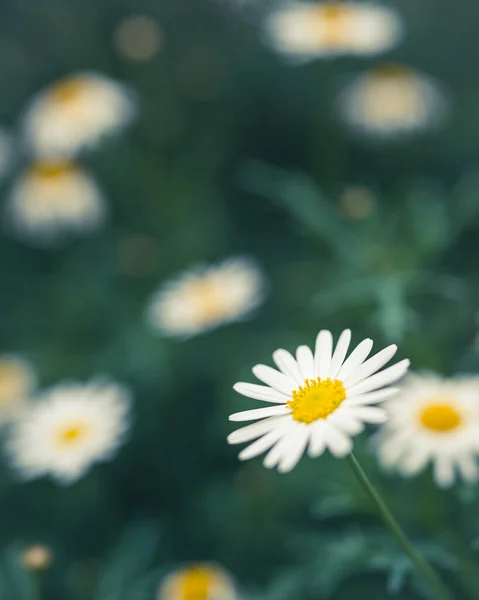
(433, 421)
(17, 383)
(320, 400)
(309, 30)
(51, 200)
(76, 112)
(70, 427)
(391, 100)
(205, 297)
(198, 582)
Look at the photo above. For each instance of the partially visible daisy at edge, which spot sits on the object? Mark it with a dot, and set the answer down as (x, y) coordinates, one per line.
(76, 112)
(206, 297)
(198, 581)
(69, 428)
(52, 200)
(17, 384)
(433, 421)
(304, 31)
(320, 400)
(392, 100)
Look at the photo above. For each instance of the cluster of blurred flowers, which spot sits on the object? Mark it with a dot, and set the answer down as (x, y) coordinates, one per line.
(386, 101)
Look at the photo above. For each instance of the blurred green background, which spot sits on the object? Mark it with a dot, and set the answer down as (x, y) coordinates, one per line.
(235, 151)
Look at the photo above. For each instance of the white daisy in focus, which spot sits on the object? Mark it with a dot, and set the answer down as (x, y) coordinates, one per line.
(198, 582)
(52, 199)
(433, 421)
(320, 400)
(76, 112)
(306, 30)
(206, 297)
(17, 383)
(392, 100)
(70, 427)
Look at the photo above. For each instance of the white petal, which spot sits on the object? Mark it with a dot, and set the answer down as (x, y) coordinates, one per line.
(372, 365)
(340, 353)
(264, 443)
(288, 365)
(370, 414)
(305, 359)
(381, 379)
(339, 443)
(274, 378)
(468, 467)
(250, 432)
(443, 471)
(344, 420)
(260, 413)
(296, 452)
(323, 353)
(260, 392)
(355, 359)
(414, 462)
(317, 441)
(282, 448)
(371, 398)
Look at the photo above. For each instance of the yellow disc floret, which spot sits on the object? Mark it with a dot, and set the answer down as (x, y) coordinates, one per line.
(316, 399)
(440, 417)
(196, 583)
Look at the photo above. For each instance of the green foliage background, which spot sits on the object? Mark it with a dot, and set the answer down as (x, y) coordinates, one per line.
(236, 152)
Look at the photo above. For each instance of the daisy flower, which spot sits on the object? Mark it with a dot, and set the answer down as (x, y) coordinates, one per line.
(198, 582)
(17, 382)
(433, 421)
(51, 199)
(204, 298)
(320, 400)
(76, 112)
(70, 427)
(392, 99)
(307, 30)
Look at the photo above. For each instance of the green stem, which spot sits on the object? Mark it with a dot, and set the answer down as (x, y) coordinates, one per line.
(421, 565)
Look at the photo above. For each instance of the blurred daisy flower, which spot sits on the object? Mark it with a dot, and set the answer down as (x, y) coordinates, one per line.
(70, 427)
(307, 30)
(321, 400)
(433, 420)
(76, 112)
(391, 100)
(206, 297)
(52, 199)
(198, 582)
(17, 383)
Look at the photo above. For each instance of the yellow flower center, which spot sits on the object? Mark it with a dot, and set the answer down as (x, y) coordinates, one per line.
(72, 433)
(316, 399)
(440, 417)
(391, 71)
(209, 301)
(196, 584)
(67, 90)
(50, 171)
(10, 382)
(334, 19)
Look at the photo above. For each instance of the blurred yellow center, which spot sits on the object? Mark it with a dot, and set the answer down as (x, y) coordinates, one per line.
(67, 90)
(440, 417)
(391, 71)
(333, 19)
(208, 300)
(10, 382)
(50, 171)
(72, 433)
(196, 584)
(316, 399)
